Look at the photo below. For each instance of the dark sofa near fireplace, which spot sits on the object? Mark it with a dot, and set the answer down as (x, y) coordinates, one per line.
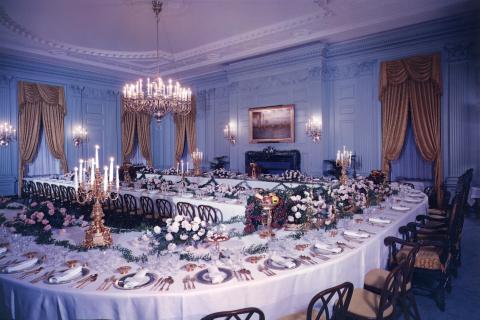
(271, 161)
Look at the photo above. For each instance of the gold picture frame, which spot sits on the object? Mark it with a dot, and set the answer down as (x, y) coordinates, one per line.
(272, 124)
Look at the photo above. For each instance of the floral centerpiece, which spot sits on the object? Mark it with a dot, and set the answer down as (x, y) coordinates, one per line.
(377, 177)
(292, 175)
(179, 231)
(227, 191)
(4, 201)
(171, 171)
(222, 173)
(347, 199)
(304, 208)
(148, 170)
(254, 214)
(40, 218)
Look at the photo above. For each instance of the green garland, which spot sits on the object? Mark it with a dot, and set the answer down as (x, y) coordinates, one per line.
(255, 249)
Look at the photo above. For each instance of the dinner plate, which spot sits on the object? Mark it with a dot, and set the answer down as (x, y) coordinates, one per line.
(400, 208)
(4, 269)
(273, 265)
(153, 191)
(85, 272)
(203, 276)
(413, 200)
(356, 237)
(326, 252)
(209, 198)
(119, 284)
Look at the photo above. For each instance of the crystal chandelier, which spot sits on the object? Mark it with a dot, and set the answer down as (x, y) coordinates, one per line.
(155, 96)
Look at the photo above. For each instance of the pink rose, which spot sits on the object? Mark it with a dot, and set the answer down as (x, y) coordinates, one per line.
(30, 221)
(33, 204)
(66, 223)
(40, 215)
(50, 205)
(63, 210)
(47, 227)
(22, 217)
(51, 212)
(44, 221)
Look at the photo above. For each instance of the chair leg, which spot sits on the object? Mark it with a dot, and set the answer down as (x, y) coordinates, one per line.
(403, 303)
(413, 302)
(439, 297)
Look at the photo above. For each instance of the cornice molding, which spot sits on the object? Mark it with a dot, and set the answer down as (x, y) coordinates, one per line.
(351, 70)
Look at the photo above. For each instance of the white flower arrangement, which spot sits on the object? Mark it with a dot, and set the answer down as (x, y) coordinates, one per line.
(222, 173)
(227, 191)
(179, 230)
(292, 175)
(304, 207)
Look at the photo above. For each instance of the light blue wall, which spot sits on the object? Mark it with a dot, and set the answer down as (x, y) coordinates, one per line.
(338, 82)
(341, 83)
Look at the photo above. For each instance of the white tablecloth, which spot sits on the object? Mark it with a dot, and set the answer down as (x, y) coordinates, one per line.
(287, 292)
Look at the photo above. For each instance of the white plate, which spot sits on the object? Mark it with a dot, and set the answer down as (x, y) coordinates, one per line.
(400, 208)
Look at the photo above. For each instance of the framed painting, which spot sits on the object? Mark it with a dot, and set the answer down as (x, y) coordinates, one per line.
(272, 124)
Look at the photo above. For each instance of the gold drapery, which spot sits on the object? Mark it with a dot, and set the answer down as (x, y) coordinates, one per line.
(136, 125)
(40, 103)
(185, 126)
(414, 82)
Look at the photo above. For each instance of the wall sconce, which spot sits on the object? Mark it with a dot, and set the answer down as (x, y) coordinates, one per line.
(79, 136)
(229, 133)
(313, 129)
(7, 134)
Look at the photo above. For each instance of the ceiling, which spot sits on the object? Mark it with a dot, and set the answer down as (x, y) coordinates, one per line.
(120, 35)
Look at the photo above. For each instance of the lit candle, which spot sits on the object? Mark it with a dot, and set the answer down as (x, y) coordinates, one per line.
(80, 178)
(110, 176)
(178, 164)
(187, 166)
(92, 173)
(182, 166)
(105, 180)
(117, 180)
(75, 179)
(96, 156)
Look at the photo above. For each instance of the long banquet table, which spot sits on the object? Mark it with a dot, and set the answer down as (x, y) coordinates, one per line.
(289, 291)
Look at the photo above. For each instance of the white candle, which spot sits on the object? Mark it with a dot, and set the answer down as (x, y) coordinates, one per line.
(92, 173)
(75, 179)
(80, 178)
(110, 175)
(177, 166)
(182, 166)
(105, 179)
(187, 166)
(96, 156)
(117, 180)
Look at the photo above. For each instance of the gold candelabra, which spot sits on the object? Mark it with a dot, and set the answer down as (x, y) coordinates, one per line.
(96, 189)
(197, 158)
(344, 160)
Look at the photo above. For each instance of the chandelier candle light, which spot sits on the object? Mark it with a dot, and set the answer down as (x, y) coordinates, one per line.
(96, 188)
(79, 136)
(7, 134)
(157, 97)
(313, 129)
(229, 134)
(344, 160)
(197, 157)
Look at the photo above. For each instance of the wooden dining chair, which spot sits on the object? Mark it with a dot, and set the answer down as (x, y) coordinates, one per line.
(32, 191)
(40, 191)
(63, 195)
(148, 208)
(47, 191)
(210, 214)
(250, 313)
(366, 305)
(56, 194)
(164, 208)
(375, 278)
(320, 307)
(186, 209)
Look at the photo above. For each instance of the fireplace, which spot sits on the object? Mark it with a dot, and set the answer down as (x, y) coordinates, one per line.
(271, 161)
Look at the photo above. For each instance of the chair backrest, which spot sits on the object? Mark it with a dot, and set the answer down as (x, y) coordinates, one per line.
(147, 205)
(340, 295)
(409, 267)
(63, 194)
(55, 192)
(40, 190)
(390, 291)
(130, 203)
(47, 190)
(25, 189)
(210, 214)
(186, 209)
(240, 314)
(164, 208)
(32, 189)
(117, 203)
(72, 198)
(408, 184)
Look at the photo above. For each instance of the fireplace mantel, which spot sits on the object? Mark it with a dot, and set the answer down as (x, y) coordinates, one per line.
(272, 161)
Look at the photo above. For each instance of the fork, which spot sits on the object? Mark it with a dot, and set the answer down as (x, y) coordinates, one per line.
(42, 277)
(192, 280)
(343, 244)
(30, 273)
(112, 281)
(366, 231)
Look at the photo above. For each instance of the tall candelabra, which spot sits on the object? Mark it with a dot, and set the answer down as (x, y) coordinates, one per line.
(197, 158)
(96, 188)
(344, 160)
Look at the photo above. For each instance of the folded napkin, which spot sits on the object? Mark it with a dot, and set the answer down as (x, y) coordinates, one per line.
(379, 220)
(138, 279)
(216, 276)
(22, 265)
(287, 263)
(400, 208)
(326, 247)
(187, 195)
(356, 234)
(208, 198)
(3, 250)
(66, 275)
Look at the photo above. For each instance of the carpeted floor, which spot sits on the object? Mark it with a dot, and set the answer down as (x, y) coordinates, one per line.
(464, 300)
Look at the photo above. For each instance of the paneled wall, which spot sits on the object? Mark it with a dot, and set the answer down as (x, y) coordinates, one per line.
(340, 82)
